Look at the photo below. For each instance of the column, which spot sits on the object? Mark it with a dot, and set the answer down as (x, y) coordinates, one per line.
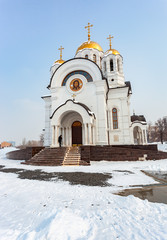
(110, 126)
(67, 136)
(141, 137)
(94, 134)
(142, 134)
(62, 133)
(86, 134)
(56, 135)
(89, 134)
(83, 134)
(145, 136)
(70, 136)
(53, 135)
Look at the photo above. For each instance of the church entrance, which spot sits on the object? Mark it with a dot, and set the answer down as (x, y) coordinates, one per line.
(76, 133)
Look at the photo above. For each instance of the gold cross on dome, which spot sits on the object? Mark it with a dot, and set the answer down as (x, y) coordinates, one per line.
(88, 27)
(110, 40)
(61, 48)
(73, 97)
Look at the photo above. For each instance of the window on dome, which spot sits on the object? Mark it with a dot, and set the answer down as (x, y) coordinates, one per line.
(111, 65)
(86, 56)
(94, 58)
(115, 118)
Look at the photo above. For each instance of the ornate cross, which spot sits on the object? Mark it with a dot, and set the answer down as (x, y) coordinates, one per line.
(88, 27)
(110, 40)
(61, 48)
(73, 97)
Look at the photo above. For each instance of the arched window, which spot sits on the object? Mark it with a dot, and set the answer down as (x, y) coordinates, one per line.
(94, 58)
(86, 56)
(115, 118)
(111, 65)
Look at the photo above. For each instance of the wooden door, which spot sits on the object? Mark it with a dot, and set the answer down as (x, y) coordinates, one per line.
(76, 133)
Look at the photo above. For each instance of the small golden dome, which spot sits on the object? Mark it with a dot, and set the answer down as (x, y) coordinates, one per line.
(60, 61)
(90, 44)
(112, 51)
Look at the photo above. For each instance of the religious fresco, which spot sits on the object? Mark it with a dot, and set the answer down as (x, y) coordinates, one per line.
(76, 84)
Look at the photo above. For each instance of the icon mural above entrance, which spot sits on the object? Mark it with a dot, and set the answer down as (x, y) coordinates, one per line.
(76, 84)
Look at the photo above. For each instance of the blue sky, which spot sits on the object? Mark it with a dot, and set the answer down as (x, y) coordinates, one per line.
(33, 30)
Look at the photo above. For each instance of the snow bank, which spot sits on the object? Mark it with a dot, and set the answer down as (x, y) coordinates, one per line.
(162, 147)
(39, 210)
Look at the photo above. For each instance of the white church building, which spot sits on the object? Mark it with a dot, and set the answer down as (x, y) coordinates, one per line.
(89, 100)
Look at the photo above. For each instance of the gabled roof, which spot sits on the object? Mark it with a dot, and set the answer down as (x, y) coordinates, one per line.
(139, 118)
(78, 103)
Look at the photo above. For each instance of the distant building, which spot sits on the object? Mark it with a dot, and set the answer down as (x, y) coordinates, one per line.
(13, 143)
(6, 144)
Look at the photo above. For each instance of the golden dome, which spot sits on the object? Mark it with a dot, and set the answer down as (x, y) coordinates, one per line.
(60, 61)
(112, 51)
(90, 44)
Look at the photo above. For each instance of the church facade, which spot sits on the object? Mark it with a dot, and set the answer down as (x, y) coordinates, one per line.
(89, 100)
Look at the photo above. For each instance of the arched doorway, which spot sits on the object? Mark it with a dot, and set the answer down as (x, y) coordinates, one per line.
(76, 133)
(137, 134)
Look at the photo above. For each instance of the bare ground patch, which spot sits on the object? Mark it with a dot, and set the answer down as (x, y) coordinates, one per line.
(74, 178)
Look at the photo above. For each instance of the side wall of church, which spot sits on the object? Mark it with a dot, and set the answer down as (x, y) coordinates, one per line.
(47, 134)
(101, 106)
(118, 99)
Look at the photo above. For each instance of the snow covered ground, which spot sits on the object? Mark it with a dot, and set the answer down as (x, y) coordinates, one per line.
(56, 210)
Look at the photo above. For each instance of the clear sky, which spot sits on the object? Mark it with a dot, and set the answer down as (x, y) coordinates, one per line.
(33, 30)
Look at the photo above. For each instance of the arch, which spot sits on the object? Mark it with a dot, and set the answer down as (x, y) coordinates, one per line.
(86, 56)
(83, 73)
(70, 136)
(75, 64)
(137, 135)
(62, 110)
(67, 118)
(63, 118)
(115, 118)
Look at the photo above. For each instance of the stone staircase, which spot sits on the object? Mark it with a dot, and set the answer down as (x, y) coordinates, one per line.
(57, 157)
(73, 158)
(48, 157)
